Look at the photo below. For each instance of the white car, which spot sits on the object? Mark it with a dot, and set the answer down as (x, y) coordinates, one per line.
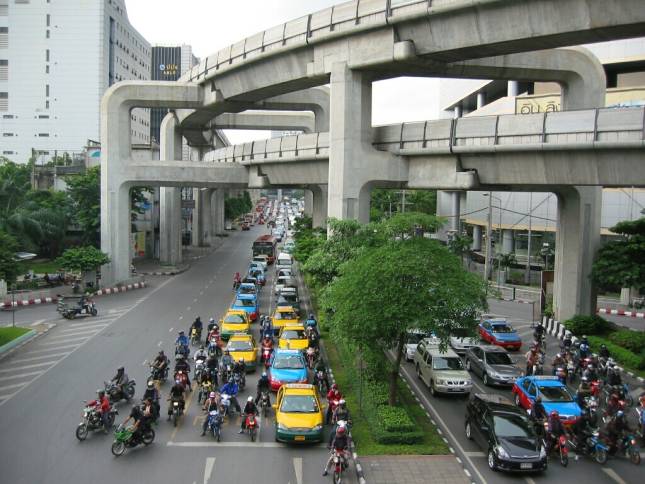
(263, 260)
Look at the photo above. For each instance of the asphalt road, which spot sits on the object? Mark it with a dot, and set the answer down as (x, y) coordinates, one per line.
(43, 385)
(449, 413)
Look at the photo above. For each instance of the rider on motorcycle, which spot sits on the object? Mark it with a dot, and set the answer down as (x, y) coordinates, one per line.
(584, 391)
(176, 394)
(267, 327)
(583, 429)
(197, 325)
(237, 279)
(333, 395)
(263, 386)
(590, 372)
(102, 403)
(249, 409)
(339, 443)
(212, 324)
(320, 367)
(211, 403)
(239, 367)
(161, 362)
(568, 340)
(181, 344)
(120, 379)
(311, 321)
(182, 365)
(604, 352)
(153, 394)
(555, 430)
(341, 414)
(313, 340)
(583, 349)
(558, 362)
(616, 430)
(538, 333)
(200, 354)
(531, 360)
(231, 389)
(227, 360)
(613, 376)
(211, 366)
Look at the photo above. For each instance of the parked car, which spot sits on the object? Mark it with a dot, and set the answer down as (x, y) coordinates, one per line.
(505, 433)
(555, 396)
(498, 331)
(441, 371)
(493, 364)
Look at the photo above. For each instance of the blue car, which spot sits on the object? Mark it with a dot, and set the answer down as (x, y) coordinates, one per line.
(555, 396)
(287, 366)
(499, 332)
(247, 303)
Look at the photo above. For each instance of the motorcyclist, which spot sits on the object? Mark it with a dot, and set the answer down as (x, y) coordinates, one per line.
(583, 429)
(568, 340)
(263, 386)
(161, 363)
(103, 408)
(249, 409)
(267, 326)
(313, 340)
(613, 376)
(239, 367)
(341, 414)
(311, 321)
(339, 443)
(333, 395)
(153, 394)
(226, 361)
(590, 372)
(583, 349)
(197, 325)
(212, 324)
(211, 403)
(237, 279)
(538, 412)
(136, 415)
(231, 389)
(320, 367)
(558, 362)
(555, 430)
(176, 394)
(181, 364)
(538, 333)
(200, 354)
(211, 367)
(616, 429)
(531, 360)
(613, 405)
(120, 380)
(604, 352)
(181, 344)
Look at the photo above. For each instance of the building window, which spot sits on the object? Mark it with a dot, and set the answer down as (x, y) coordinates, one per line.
(46, 90)
(7, 135)
(47, 55)
(46, 104)
(48, 20)
(47, 34)
(4, 101)
(8, 116)
(4, 70)
(47, 69)
(43, 135)
(7, 153)
(43, 116)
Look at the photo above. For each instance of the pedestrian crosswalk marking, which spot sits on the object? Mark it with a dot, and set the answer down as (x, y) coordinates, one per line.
(44, 357)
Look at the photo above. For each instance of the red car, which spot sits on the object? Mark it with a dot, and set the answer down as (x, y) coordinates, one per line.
(499, 332)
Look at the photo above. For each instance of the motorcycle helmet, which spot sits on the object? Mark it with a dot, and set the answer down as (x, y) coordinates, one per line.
(554, 414)
(334, 386)
(619, 414)
(150, 384)
(590, 367)
(340, 430)
(311, 316)
(100, 392)
(538, 399)
(585, 379)
(212, 395)
(201, 347)
(559, 355)
(341, 402)
(178, 357)
(227, 352)
(161, 353)
(181, 333)
(120, 369)
(177, 382)
(264, 374)
(250, 399)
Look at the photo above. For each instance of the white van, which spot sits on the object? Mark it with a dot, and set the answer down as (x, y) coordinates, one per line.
(284, 261)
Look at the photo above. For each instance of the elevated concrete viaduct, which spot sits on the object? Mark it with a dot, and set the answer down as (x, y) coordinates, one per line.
(349, 46)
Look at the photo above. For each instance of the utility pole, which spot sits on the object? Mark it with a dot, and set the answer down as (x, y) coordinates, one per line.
(499, 245)
(527, 274)
(403, 200)
(488, 238)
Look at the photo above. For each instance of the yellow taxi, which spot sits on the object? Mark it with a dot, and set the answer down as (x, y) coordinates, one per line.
(298, 414)
(234, 321)
(284, 316)
(243, 347)
(293, 337)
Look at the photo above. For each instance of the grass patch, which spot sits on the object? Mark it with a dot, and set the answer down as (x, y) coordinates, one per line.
(39, 266)
(432, 444)
(11, 333)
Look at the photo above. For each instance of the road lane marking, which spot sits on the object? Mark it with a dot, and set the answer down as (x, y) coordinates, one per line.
(195, 300)
(92, 322)
(170, 330)
(54, 348)
(26, 367)
(20, 375)
(613, 475)
(188, 308)
(15, 385)
(208, 470)
(474, 454)
(22, 360)
(73, 331)
(75, 338)
(36, 323)
(297, 465)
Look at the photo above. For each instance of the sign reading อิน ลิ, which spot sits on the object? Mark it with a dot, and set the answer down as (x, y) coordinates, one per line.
(547, 103)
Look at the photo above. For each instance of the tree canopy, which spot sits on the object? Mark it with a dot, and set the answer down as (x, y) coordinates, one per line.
(621, 263)
(399, 286)
(9, 268)
(82, 259)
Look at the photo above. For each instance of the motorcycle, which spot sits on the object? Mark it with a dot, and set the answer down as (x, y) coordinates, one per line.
(158, 375)
(92, 420)
(240, 379)
(214, 424)
(71, 306)
(204, 391)
(340, 465)
(321, 382)
(195, 336)
(251, 426)
(225, 404)
(563, 449)
(266, 356)
(561, 374)
(592, 404)
(115, 394)
(183, 350)
(200, 370)
(593, 447)
(629, 446)
(312, 356)
(177, 410)
(265, 403)
(124, 438)
(621, 390)
(571, 370)
(225, 372)
(183, 380)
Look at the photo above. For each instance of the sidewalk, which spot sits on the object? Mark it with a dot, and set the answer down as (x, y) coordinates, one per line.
(413, 469)
(152, 267)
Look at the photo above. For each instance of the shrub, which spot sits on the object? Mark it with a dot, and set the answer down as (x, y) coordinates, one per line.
(623, 356)
(388, 438)
(633, 341)
(375, 393)
(580, 325)
(394, 419)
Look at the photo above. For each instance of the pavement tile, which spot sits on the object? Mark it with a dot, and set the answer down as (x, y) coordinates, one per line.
(413, 469)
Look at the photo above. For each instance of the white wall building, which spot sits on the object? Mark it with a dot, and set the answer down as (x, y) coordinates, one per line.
(57, 58)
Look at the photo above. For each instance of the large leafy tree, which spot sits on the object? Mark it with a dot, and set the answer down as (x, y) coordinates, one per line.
(15, 182)
(402, 285)
(82, 259)
(237, 206)
(9, 268)
(85, 194)
(621, 263)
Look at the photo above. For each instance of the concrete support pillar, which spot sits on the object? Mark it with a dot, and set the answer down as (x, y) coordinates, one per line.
(512, 89)
(481, 100)
(319, 217)
(309, 203)
(170, 225)
(577, 240)
(477, 238)
(217, 211)
(508, 244)
(202, 218)
(458, 111)
(455, 210)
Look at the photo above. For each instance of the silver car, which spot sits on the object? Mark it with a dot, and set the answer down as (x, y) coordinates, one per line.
(493, 364)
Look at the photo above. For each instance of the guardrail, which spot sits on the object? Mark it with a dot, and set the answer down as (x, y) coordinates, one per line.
(355, 15)
(590, 128)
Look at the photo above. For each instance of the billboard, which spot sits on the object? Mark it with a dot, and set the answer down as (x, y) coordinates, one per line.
(546, 103)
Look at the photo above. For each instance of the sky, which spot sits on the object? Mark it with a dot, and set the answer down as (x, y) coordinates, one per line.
(208, 25)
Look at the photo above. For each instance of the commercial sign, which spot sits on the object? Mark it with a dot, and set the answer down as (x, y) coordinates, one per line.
(168, 69)
(546, 103)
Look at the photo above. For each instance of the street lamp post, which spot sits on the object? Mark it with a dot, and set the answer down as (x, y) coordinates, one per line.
(487, 265)
(527, 274)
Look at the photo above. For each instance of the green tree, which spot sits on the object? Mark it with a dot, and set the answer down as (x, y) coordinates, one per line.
(85, 194)
(9, 268)
(15, 182)
(460, 245)
(82, 259)
(402, 285)
(621, 263)
(234, 207)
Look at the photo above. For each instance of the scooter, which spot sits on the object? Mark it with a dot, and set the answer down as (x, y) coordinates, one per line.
(251, 425)
(124, 438)
(214, 424)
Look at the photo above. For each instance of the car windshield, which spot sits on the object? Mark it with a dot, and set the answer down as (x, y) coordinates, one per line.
(510, 426)
(294, 334)
(285, 315)
(462, 333)
(248, 289)
(239, 346)
(234, 319)
(554, 394)
(498, 358)
(414, 338)
(246, 303)
(502, 328)
(451, 363)
(288, 362)
(299, 404)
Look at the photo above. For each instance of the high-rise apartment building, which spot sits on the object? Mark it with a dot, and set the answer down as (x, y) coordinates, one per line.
(57, 58)
(168, 64)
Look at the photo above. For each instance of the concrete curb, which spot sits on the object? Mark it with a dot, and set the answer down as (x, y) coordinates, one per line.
(621, 312)
(23, 338)
(557, 330)
(100, 292)
(165, 273)
(357, 465)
